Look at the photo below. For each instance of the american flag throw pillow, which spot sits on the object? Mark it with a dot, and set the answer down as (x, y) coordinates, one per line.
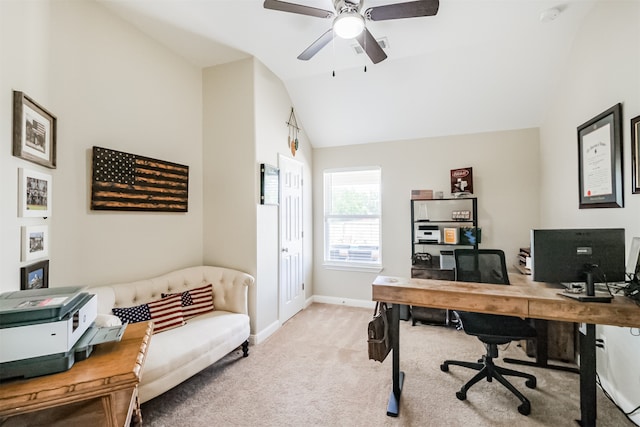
(166, 313)
(196, 301)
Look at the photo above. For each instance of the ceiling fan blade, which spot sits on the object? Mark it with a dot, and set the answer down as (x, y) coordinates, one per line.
(317, 45)
(297, 8)
(370, 45)
(410, 9)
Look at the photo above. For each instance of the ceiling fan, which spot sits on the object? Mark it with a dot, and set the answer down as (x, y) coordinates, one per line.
(349, 21)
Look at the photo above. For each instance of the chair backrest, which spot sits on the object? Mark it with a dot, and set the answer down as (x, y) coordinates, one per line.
(482, 266)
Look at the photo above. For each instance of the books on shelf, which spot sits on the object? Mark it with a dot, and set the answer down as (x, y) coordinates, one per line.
(524, 259)
(450, 235)
(421, 194)
(470, 236)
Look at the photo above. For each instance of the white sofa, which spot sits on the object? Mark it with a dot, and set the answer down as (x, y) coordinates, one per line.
(179, 353)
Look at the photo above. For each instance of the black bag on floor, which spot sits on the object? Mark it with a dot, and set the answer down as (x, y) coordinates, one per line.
(378, 333)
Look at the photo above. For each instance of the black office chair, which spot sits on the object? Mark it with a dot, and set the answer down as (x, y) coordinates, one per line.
(488, 266)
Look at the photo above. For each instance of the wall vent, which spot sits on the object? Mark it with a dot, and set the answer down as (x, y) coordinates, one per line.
(383, 42)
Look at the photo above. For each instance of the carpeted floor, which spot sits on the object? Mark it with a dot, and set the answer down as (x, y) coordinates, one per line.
(315, 371)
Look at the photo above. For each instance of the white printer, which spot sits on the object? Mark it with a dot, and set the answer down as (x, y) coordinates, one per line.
(43, 331)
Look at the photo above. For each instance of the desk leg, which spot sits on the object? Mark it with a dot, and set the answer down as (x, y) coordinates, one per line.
(393, 408)
(109, 407)
(587, 375)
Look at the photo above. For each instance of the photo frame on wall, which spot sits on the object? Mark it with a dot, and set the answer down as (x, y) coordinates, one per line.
(635, 155)
(34, 131)
(34, 193)
(269, 184)
(35, 276)
(600, 160)
(35, 242)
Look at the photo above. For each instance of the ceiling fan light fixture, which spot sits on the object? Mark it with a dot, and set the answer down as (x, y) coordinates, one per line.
(348, 25)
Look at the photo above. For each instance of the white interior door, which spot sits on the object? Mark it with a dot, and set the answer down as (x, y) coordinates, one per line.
(291, 261)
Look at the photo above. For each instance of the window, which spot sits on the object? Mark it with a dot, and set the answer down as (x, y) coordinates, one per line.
(352, 218)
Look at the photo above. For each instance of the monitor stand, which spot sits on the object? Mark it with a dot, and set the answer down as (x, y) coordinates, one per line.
(590, 287)
(590, 295)
(599, 297)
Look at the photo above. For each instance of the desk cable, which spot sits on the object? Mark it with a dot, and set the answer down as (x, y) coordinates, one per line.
(627, 414)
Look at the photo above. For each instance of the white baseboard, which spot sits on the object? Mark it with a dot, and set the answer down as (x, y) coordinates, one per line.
(269, 330)
(265, 333)
(344, 301)
(308, 301)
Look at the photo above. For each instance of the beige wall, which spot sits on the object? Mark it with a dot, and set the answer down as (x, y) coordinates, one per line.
(603, 69)
(85, 65)
(228, 156)
(245, 110)
(505, 175)
(273, 107)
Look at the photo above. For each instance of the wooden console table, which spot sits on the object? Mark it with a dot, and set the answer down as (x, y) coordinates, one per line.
(99, 391)
(524, 298)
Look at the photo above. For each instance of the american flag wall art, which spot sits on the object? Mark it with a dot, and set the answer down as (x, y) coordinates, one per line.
(128, 182)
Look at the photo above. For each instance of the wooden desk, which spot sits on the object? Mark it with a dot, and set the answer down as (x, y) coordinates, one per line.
(108, 380)
(524, 298)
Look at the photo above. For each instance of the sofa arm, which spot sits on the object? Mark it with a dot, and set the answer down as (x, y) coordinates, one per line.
(230, 288)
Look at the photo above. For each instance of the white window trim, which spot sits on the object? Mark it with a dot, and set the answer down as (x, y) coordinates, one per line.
(364, 268)
(352, 266)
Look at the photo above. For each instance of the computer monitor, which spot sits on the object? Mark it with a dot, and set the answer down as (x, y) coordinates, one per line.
(569, 255)
(633, 261)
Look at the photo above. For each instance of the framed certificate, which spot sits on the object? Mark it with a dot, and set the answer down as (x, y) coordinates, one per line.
(600, 160)
(269, 184)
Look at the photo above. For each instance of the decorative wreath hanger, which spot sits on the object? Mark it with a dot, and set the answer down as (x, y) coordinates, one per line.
(292, 139)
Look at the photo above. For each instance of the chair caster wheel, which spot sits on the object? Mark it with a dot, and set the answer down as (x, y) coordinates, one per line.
(524, 409)
(444, 368)
(530, 383)
(461, 395)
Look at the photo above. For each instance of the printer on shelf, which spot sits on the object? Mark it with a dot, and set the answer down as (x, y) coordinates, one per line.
(426, 233)
(44, 331)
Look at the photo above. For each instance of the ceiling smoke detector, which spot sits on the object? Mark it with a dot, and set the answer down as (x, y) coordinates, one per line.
(549, 15)
(382, 42)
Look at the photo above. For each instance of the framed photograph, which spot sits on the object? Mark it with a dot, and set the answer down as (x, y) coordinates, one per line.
(600, 160)
(35, 242)
(35, 276)
(635, 155)
(269, 184)
(34, 131)
(34, 194)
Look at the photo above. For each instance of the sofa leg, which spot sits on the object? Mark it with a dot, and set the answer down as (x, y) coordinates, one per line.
(245, 348)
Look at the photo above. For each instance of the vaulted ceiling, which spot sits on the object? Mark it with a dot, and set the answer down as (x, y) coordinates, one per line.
(476, 66)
